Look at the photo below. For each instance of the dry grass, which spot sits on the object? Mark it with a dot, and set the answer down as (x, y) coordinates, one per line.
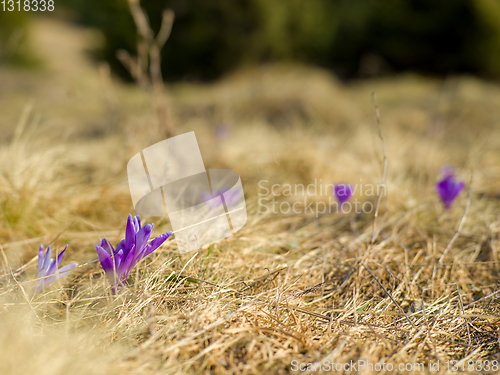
(286, 287)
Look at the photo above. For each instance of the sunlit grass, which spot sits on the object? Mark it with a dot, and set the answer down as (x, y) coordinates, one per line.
(287, 286)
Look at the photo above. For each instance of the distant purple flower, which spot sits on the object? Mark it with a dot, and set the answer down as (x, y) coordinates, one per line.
(343, 192)
(449, 187)
(232, 198)
(221, 131)
(118, 263)
(47, 268)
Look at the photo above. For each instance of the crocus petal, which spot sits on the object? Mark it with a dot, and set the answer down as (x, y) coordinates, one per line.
(127, 265)
(155, 244)
(60, 273)
(46, 259)
(137, 223)
(67, 268)
(40, 258)
(48, 272)
(142, 238)
(130, 232)
(55, 263)
(104, 258)
(121, 246)
(107, 246)
(113, 272)
(52, 268)
(343, 192)
(118, 259)
(60, 256)
(448, 190)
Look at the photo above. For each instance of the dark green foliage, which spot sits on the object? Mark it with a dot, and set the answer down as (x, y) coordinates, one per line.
(427, 35)
(13, 35)
(212, 37)
(207, 39)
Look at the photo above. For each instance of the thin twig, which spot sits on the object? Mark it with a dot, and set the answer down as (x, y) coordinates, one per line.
(146, 67)
(167, 22)
(384, 170)
(388, 294)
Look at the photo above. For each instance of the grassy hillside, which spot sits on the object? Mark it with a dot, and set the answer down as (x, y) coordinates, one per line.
(287, 286)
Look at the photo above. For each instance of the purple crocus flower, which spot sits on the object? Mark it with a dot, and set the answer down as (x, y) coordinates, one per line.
(47, 268)
(343, 192)
(449, 187)
(118, 263)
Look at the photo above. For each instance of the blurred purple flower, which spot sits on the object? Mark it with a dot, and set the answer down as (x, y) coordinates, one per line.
(48, 271)
(221, 131)
(232, 198)
(343, 192)
(449, 187)
(118, 263)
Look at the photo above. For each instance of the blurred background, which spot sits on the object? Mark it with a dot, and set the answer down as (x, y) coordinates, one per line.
(277, 91)
(353, 39)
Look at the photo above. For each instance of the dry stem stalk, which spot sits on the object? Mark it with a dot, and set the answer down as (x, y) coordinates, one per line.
(146, 67)
(384, 170)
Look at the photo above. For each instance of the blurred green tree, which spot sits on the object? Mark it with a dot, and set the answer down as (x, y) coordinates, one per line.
(212, 37)
(425, 35)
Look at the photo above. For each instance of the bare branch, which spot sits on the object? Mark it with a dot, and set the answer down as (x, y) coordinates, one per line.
(167, 22)
(141, 20)
(146, 67)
